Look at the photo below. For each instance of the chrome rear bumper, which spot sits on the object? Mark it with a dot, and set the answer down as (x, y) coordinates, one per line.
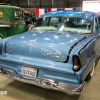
(47, 83)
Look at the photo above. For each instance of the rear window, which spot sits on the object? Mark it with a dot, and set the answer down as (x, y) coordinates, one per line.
(68, 24)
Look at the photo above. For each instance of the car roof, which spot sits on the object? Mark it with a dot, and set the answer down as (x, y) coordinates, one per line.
(73, 13)
(8, 6)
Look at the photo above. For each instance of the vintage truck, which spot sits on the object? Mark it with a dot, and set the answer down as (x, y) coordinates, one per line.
(11, 20)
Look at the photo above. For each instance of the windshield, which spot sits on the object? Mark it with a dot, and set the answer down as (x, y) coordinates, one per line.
(67, 24)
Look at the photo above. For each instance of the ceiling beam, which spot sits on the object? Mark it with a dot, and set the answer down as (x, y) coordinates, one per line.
(5, 2)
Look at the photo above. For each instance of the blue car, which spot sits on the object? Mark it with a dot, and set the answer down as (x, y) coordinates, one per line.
(60, 52)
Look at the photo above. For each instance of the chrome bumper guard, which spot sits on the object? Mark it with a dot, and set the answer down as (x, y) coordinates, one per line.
(47, 83)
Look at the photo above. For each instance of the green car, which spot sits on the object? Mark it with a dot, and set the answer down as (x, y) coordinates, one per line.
(11, 20)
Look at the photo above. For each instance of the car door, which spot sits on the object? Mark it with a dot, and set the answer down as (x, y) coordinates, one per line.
(97, 35)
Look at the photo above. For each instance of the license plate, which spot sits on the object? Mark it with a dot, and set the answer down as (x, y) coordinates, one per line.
(29, 72)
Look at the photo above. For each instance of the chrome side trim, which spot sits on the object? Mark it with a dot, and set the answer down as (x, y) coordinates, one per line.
(47, 83)
(73, 47)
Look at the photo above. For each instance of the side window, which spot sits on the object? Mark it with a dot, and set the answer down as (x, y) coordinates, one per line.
(96, 24)
(99, 22)
(18, 15)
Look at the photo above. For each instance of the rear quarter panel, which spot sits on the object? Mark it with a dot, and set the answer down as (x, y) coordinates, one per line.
(88, 52)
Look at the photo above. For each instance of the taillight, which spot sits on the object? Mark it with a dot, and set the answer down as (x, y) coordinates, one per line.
(76, 63)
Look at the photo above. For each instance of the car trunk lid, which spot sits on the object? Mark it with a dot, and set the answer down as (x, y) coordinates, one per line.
(45, 45)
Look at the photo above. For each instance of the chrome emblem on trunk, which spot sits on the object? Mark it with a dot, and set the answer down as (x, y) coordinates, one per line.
(55, 53)
(32, 43)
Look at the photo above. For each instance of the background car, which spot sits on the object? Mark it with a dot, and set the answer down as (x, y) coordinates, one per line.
(59, 53)
(11, 21)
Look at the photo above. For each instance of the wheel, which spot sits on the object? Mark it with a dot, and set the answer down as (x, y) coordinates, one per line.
(29, 27)
(91, 72)
(96, 62)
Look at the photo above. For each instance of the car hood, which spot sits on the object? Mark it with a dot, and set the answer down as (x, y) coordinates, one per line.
(45, 45)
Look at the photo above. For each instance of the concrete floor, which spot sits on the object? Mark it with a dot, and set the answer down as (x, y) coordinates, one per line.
(21, 91)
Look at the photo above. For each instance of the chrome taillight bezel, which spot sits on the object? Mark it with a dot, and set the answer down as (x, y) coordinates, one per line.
(76, 63)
